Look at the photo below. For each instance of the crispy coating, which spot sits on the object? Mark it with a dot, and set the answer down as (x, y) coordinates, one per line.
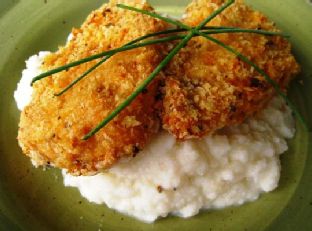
(207, 87)
(51, 128)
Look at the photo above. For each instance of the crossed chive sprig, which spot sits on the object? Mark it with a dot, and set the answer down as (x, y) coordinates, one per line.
(149, 39)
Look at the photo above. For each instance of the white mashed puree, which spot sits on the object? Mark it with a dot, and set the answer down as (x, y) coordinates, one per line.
(168, 177)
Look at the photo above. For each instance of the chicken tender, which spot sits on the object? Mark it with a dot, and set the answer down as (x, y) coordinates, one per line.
(207, 88)
(51, 128)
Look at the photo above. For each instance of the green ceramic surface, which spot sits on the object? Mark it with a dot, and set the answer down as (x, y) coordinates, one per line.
(33, 199)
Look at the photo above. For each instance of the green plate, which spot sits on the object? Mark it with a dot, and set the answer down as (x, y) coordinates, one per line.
(33, 199)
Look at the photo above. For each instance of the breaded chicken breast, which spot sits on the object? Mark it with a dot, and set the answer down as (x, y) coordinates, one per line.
(207, 88)
(51, 128)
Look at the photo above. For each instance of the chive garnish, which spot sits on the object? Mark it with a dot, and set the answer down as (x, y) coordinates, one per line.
(273, 83)
(134, 45)
(185, 34)
(157, 70)
(141, 87)
(100, 55)
(215, 31)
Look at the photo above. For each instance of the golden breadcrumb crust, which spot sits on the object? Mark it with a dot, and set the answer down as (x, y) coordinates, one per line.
(204, 89)
(207, 87)
(51, 128)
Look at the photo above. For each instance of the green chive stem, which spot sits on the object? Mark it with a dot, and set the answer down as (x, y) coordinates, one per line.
(242, 30)
(200, 30)
(242, 57)
(175, 22)
(273, 83)
(138, 91)
(216, 13)
(153, 15)
(102, 54)
(216, 31)
(73, 83)
(152, 76)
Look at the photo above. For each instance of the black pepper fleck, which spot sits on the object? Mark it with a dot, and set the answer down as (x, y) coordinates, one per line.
(239, 95)
(198, 46)
(162, 83)
(256, 83)
(135, 150)
(106, 11)
(200, 127)
(158, 96)
(160, 189)
(233, 108)
(269, 43)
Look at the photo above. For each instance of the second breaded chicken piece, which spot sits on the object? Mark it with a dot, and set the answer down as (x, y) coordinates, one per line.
(51, 128)
(207, 87)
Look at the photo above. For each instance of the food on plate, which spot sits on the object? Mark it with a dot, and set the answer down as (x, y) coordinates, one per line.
(205, 134)
(229, 168)
(51, 127)
(207, 88)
